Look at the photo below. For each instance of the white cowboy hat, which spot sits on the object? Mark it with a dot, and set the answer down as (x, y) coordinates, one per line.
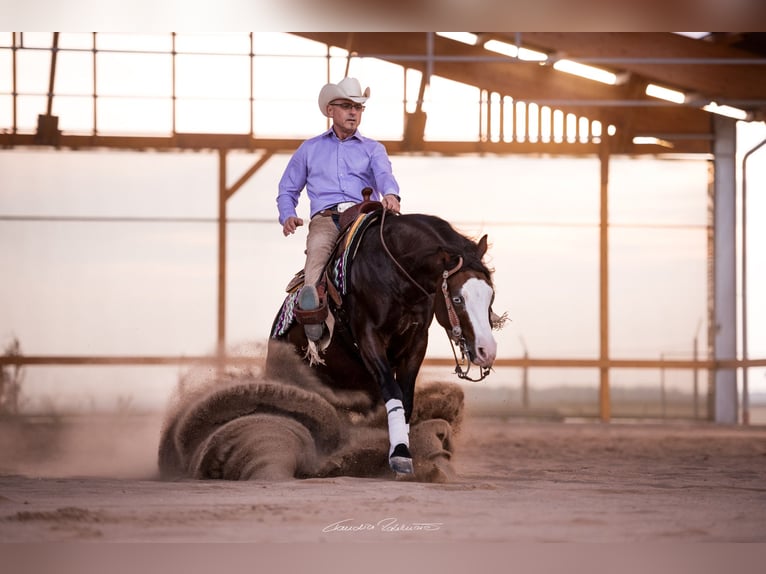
(346, 89)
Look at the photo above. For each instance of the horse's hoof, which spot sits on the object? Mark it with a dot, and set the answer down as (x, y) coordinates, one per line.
(401, 460)
(401, 465)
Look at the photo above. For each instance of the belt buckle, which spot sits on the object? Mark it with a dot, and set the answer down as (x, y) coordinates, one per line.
(341, 207)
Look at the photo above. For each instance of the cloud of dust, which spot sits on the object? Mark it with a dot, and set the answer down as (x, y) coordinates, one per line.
(283, 423)
(101, 445)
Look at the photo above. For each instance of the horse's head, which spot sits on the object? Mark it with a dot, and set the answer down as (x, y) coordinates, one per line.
(463, 305)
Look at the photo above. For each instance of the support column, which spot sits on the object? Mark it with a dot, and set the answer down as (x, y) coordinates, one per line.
(222, 197)
(725, 267)
(743, 283)
(224, 193)
(605, 407)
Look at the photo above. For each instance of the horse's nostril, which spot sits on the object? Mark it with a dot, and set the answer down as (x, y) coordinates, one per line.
(484, 355)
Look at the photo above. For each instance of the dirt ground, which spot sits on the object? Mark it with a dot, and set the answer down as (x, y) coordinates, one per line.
(95, 480)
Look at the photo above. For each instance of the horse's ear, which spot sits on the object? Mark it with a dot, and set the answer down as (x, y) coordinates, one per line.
(481, 248)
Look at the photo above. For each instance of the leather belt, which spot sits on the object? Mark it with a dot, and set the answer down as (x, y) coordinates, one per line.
(335, 209)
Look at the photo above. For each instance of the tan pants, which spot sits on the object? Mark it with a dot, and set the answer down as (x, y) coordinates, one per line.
(319, 245)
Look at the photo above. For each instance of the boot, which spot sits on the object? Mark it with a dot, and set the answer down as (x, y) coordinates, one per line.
(308, 300)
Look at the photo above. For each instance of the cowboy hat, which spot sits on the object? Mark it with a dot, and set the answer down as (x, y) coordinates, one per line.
(346, 89)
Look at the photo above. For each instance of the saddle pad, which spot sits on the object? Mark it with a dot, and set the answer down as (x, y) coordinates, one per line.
(286, 315)
(353, 237)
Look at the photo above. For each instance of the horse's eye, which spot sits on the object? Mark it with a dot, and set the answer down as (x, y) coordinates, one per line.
(457, 300)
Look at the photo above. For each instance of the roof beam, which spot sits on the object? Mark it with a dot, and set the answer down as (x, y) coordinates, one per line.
(204, 142)
(526, 81)
(642, 53)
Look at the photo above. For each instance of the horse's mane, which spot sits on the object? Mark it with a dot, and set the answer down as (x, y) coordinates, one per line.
(446, 237)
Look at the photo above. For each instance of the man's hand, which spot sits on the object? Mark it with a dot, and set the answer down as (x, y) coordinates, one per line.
(291, 224)
(390, 202)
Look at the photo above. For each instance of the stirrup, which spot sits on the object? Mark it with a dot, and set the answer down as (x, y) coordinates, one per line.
(311, 312)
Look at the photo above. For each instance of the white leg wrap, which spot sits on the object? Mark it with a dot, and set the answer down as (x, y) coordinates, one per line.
(398, 429)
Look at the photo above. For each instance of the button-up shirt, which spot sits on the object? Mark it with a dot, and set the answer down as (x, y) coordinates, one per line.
(335, 171)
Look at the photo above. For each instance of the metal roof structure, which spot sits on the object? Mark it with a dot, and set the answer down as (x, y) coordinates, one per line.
(725, 68)
(722, 69)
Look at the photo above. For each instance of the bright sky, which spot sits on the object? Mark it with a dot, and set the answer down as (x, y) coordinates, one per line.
(541, 213)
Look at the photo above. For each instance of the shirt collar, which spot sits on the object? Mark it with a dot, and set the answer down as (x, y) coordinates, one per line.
(356, 135)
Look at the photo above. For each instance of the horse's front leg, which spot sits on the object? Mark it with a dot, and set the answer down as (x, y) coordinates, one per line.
(399, 457)
(399, 411)
(407, 368)
(375, 358)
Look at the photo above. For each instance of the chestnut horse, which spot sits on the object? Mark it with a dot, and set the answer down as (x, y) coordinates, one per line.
(386, 283)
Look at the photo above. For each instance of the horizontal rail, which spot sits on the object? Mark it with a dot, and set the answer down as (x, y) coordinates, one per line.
(614, 363)
(200, 142)
(521, 362)
(418, 56)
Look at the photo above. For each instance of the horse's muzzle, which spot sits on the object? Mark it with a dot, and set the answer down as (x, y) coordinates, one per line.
(485, 354)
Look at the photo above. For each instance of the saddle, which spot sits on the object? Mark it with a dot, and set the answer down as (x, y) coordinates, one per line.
(365, 206)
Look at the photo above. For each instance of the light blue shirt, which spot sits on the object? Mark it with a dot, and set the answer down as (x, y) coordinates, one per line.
(334, 171)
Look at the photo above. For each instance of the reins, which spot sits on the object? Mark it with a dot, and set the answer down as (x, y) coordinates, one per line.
(456, 337)
(391, 256)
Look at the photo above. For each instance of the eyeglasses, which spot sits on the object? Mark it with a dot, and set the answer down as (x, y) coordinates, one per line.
(346, 106)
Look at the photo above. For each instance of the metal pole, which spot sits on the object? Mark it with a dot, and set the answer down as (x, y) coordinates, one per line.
(14, 49)
(663, 408)
(604, 398)
(745, 381)
(711, 316)
(173, 79)
(525, 383)
(349, 53)
(95, 87)
(725, 262)
(252, 86)
(525, 375)
(429, 55)
(52, 78)
(224, 193)
(222, 196)
(695, 371)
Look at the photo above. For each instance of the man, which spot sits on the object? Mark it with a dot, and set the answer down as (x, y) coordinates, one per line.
(334, 167)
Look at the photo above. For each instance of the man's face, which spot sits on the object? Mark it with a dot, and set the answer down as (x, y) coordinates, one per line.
(346, 115)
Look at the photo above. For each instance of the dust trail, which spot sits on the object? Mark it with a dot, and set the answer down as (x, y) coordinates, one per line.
(116, 445)
(283, 423)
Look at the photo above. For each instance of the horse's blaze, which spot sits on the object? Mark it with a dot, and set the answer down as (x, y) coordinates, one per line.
(477, 295)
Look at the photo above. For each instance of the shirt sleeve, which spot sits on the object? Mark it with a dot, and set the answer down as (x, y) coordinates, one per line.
(292, 183)
(382, 171)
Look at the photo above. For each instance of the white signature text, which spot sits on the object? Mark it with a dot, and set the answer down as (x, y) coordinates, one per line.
(384, 525)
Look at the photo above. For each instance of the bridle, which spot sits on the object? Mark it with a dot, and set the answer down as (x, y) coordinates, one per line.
(456, 335)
